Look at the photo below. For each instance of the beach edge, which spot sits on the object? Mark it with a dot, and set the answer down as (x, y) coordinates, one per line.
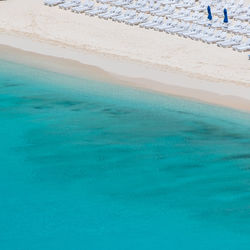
(68, 60)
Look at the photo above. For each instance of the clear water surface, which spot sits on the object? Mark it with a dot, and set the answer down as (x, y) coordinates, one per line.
(91, 165)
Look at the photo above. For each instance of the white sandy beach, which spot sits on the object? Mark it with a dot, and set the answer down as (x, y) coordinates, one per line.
(191, 67)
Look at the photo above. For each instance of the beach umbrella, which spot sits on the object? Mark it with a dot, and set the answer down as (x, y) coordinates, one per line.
(209, 13)
(225, 16)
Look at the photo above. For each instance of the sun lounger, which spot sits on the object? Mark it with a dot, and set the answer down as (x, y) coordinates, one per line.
(242, 47)
(185, 14)
(158, 22)
(196, 35)
(218, 37)
(69, 5)
(201, 7)
(141, 18)
(244, 31)
(189, 4)
(131, 15)
(157, 12)
(218, 10)
(166, 13)
(244, 14)
(132, 5)
(122, 3)
(117, 12)
(199, 36)
(217, 25)
(147, 7)
(104, 1)
(176, 29)
(106, 15)
(140, 5)
(181, 30)
(164, 26)
(144, 25)
(236, 40)
(191, 31)
(207, 22)
(121, 16)
(236, 26)
(172, 2)
(209, 34)
(172, 25)
(179, 14)
(54, 2)
(100, 9)
(84, 7)
(191, 18)
(181, 4)
(155, 7)
(185, 4)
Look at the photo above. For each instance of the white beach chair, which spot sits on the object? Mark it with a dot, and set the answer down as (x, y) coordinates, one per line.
(145, 25)
(122, 2)
(117, 12)
(172, 2)
(218, 37)
(189, 4)
(167, 13)
(191, 18)
(154, 8)
(54, 2)
(245, 17)
(183, 29)
(158, 22)
(109, 12)
(104, 1)
(147, 8)
(209, 34)
(181, 4)
(50, 2)
(244, 30)
(131, 15)
(218, 10)
(156, 12)
(185, 14)
(242, 47)
(133, 5)
(121, 16)
(236, 26)
(177, 28)
(196, 36)
(174, 24)
(69, 5)
(236, 40)
(241, 29)
(217, 25)
(201, 7)
(100, 9)
(141, 18)
(179, 14)
(140, 4)
(164, 26)
(83, 7)
(191, 31)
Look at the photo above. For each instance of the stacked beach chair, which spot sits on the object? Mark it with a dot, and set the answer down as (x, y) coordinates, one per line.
(203, 21)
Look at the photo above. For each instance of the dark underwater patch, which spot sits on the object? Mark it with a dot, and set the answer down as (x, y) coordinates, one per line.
(237, 157)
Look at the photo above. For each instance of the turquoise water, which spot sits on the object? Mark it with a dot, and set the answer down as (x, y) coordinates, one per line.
(90, 165)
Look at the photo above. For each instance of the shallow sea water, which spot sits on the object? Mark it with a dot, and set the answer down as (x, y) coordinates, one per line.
(91, 165)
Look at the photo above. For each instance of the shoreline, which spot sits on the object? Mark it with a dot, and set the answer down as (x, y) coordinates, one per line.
(83, 63)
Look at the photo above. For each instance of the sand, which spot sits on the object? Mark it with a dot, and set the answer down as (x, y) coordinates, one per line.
(143, 58)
